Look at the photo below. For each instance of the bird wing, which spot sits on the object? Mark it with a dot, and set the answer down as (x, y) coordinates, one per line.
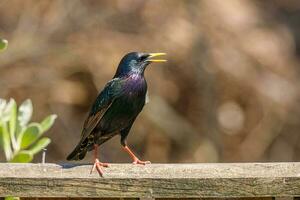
(100, 106)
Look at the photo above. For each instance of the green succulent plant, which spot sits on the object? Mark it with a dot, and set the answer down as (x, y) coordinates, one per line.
(3, 44)
(21, 139)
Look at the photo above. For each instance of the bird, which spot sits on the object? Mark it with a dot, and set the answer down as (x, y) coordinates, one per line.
(116, 108)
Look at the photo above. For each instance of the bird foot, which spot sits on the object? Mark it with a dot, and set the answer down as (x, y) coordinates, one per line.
(98, 166)
(137, 161)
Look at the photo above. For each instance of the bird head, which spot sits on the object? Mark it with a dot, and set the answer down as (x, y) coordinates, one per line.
(135, 62)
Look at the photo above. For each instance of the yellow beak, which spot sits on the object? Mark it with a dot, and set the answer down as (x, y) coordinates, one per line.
(152, 55)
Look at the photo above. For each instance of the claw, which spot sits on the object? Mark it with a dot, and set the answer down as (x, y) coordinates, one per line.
(135, 162)
(135, 159)
(98, 166)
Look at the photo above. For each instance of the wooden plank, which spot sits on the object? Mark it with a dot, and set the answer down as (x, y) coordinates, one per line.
(246, 198)
(67, 198)
(251, 198)
(152, 181)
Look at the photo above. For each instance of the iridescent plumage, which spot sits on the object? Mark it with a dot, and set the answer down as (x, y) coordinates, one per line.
(117, 106)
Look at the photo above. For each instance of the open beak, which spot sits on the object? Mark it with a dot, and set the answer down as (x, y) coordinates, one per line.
(153, 55)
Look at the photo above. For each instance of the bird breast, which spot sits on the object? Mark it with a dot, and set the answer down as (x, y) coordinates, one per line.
(135, 85)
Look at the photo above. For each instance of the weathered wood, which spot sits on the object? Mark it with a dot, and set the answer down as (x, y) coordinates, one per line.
(246, 198)
(152, 181)
(251, 198)
(67, 198)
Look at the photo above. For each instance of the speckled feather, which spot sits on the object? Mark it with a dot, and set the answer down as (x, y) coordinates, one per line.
(115, 108)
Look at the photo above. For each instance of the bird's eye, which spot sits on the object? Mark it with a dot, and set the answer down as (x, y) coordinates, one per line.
(143, 57)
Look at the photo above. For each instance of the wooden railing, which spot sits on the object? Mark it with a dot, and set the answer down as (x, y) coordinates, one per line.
(154, 181)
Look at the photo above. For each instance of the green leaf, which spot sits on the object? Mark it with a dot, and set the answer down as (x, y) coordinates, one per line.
(48, 122)
(39, 145)
(12, 198)
(8, 122)
(3, 44)
(13, 122)
(22, 157)
(25, 112)
(30, 135)
(24, 116)
(1, 135)
(5, 140)
(2, 106)
(7, 110)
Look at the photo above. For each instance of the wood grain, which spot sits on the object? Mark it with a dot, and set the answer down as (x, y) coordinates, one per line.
(152, 181)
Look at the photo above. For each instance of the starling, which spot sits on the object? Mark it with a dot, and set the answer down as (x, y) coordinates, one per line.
(116, 108)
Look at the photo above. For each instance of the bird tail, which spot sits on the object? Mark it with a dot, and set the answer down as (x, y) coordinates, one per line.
(84, 146)
(77, 154)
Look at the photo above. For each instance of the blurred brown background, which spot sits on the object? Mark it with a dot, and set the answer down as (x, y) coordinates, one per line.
(229, 92)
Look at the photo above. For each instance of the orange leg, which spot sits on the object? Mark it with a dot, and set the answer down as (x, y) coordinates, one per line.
(97, 164)
(134, 158)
